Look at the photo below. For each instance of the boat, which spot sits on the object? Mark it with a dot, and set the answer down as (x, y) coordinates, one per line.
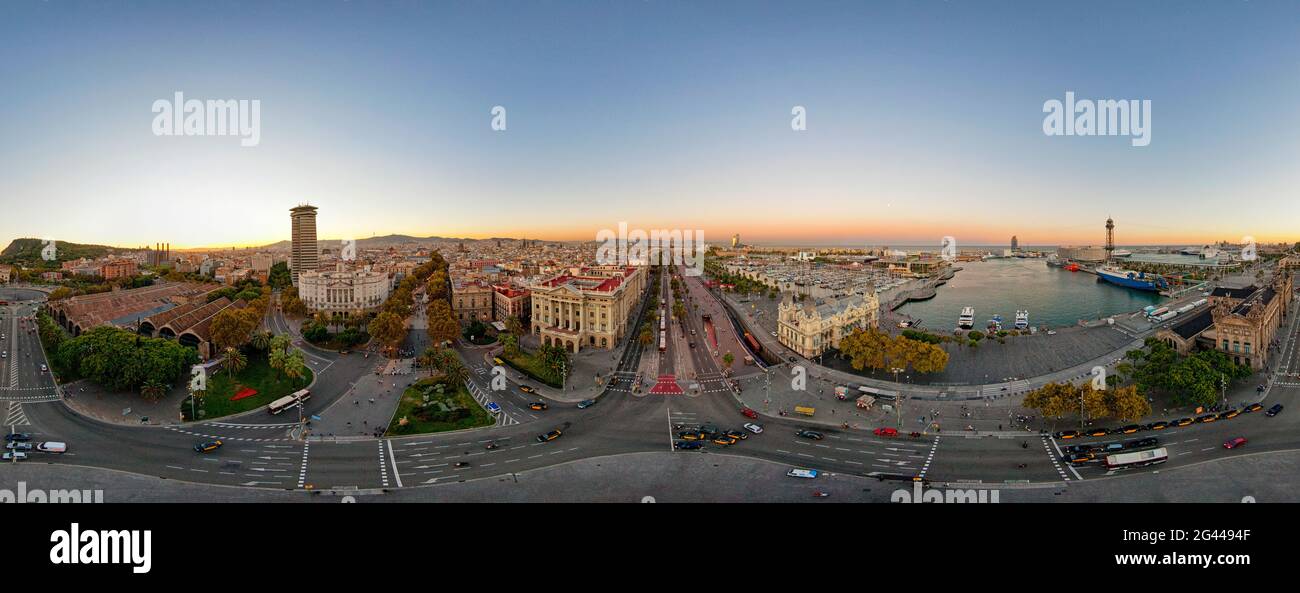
(1022, 319)
(1054, 261)
(1131, 279)
(967, 319)
(995, 324)
(1121, 253)
(1073, 267)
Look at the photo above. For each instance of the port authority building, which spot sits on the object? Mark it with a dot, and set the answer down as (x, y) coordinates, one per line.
(1240, 322)
(809, 328)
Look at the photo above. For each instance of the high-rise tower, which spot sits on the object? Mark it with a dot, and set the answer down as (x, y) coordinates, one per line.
(304, 255)
(1110, 239)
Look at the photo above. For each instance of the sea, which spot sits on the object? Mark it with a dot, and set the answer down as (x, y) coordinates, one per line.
(1054, 297)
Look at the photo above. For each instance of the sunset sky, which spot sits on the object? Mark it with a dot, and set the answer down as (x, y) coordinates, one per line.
(924, 120)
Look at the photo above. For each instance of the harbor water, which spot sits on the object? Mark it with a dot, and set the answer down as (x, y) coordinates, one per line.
(1054, 297)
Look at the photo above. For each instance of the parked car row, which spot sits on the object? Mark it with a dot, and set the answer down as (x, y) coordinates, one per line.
(1163, 424)
(19, 445)
(694, 438)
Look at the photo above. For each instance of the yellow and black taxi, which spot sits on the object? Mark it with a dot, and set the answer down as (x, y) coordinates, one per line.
(725, 440)
(538, 406)
(1182, 422)
(1078, 458)
(1255, 407)
(1160, 425)
(692, 435)
(1068, 434)
(736, 434)
(1130, 429)
(527, 389)
(548, 437)
(1230, 414)
(207, 447)
(1097, 432)
(1206, 419)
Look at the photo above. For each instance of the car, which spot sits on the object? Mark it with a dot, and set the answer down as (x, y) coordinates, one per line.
(1206, 419)
(1182, 422)
(1130, 429)
(539, 406)
(748, 413)
(725, 440)
(691, 344)
(793, 359)
(810, 434)
(1073, 449)
(1229, 414)
(1068, 434)
(885, 432)
(18, 446)
(1234, 443)
(735, 434)
(1113, 447)
(548, 437)
(345, 352)
(13, 456)
(802, 473)
(1273, 411)
(493, 407)
(709, 429)
(1097, 432)
(461, 464)
(1255, 407)
(1140, 443)
(1160, 425)
(693, 435)
(44, 368)
(1077, 458)
(773, 334)
(527, 389)
(586, 403)
(754, 428)
(688, 445)
(18, 436)
(207, 447)
(1051, 332)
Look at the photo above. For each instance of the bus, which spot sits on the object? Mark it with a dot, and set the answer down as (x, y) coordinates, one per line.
(663, 340)
(1137, 458)
(288, 401)
(881, 394)
(663, 320)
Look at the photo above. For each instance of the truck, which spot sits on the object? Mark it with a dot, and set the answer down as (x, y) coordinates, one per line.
(1157, 312)
(1166, 316)
(52, 447)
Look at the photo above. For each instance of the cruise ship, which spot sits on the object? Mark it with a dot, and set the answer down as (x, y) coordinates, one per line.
(1022, 319)
(967, 319)
(1131, 279)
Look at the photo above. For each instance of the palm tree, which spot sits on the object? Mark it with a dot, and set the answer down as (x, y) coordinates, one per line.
(514, 326)
(277, 359)
(294, 366)
(456, 374)
(235, 360)
(262, 340)
(510, 344)
(153, 390)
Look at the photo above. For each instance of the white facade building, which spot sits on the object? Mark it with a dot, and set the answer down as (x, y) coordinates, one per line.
(343, 290)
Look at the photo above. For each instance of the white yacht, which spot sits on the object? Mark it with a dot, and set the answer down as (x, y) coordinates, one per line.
(967, 319)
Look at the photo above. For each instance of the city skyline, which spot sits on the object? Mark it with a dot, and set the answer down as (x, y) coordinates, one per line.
(923, 120)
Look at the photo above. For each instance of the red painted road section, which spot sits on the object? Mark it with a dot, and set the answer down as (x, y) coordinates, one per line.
(712, 335)
(666, 385)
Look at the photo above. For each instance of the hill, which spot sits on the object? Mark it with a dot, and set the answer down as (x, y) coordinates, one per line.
(27, 251)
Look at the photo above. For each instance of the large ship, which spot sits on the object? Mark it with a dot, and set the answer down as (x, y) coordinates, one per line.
(1055, 261)
(967, 319)
(1022, 319)
(1131, 279)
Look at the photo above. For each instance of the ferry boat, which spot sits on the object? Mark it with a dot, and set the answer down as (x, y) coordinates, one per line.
(967, 319)
(1121, 253)
(1054, 261)
(1022, 319)
(995, 324)
(1131, 279)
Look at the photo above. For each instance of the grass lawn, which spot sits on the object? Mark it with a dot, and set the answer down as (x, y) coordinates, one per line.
(259, 375)
(532, 365)
(425, 418)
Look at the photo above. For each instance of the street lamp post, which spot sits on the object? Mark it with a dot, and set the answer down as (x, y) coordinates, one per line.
(898, 403)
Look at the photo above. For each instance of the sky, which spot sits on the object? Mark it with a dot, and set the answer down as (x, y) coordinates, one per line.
(924, 119)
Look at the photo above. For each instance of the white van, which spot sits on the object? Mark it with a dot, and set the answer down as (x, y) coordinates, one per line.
(52, 447)
(802, 473)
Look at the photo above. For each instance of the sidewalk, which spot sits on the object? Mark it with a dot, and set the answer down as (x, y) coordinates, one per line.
(582, 381)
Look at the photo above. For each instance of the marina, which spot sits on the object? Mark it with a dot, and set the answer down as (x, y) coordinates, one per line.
(1057, 297)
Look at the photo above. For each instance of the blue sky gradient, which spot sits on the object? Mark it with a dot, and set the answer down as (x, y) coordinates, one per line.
(924, 120)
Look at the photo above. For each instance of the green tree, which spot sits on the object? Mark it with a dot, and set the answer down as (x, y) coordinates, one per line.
(728, 359)
(235, 361)
(388, 328)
